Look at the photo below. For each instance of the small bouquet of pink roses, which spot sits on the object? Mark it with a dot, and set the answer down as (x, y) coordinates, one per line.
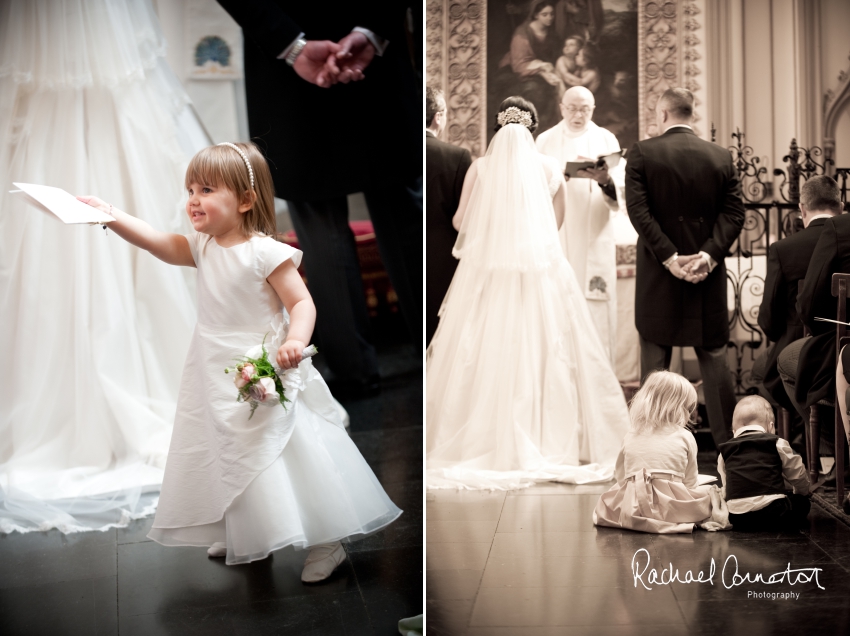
(259, 381)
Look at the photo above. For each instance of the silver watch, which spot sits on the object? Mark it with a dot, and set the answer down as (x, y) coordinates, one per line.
(300, 43)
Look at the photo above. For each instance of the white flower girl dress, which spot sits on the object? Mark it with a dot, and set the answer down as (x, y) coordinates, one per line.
(282, 477)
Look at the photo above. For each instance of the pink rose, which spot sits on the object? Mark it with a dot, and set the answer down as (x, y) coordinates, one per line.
(244, 377)
(264, 391)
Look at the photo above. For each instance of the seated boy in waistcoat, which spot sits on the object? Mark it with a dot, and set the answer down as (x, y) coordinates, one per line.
(759, 470)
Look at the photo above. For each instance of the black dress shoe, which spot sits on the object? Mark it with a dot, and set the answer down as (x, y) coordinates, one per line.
(354, 389)
(828, 480)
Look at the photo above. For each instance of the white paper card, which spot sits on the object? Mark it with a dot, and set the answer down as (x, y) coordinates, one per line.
(833, 321)
(61, 204)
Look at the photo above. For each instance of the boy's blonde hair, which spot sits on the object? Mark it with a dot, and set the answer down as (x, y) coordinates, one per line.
(666, 400)
(222, 166)
(752, 409)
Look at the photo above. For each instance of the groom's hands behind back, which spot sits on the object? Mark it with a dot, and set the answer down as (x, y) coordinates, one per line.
(325, 63)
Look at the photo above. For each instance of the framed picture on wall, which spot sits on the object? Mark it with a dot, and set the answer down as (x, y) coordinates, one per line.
(540, 48)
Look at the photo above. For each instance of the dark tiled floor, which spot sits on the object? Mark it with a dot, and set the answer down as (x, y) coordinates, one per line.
(119, 582)
(531, 563)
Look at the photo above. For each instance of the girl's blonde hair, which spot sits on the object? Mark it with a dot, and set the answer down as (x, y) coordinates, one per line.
(222, 166)
(666, 400)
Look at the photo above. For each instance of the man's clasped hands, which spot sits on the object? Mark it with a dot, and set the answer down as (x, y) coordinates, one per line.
(325, 63)
(692, 268)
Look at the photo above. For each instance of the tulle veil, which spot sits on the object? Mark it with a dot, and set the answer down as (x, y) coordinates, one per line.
(518, 386)
(510, 221)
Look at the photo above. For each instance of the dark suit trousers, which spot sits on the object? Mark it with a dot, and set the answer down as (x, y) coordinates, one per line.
(781, 514)
(333, 271)
(786, 364)
(717, 384)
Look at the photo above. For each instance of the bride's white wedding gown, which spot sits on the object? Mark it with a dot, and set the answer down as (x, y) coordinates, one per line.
(93, 332)
(519, 388)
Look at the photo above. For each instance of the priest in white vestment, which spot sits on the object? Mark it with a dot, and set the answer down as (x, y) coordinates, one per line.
(587, 234)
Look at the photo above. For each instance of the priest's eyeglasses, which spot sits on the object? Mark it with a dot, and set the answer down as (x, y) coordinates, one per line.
(584, 110)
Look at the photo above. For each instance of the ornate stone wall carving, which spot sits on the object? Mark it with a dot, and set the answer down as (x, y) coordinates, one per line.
(435, 27)
(467, 75)
(657, 58)
(669, 55)
(459, 67)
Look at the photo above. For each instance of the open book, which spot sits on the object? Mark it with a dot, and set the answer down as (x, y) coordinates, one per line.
(610, 160)
(60, 204)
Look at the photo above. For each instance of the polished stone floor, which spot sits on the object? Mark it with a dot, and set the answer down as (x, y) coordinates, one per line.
(119, 582)
(531, 563)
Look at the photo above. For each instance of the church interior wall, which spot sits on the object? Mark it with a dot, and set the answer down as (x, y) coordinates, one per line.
(769, 68)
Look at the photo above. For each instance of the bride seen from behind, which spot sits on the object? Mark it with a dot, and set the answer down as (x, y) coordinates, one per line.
(519, 388)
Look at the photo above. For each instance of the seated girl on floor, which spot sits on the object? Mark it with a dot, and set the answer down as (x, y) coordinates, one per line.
(657, 487)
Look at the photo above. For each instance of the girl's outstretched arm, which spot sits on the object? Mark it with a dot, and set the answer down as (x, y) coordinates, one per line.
(168, 247)
(293, 293)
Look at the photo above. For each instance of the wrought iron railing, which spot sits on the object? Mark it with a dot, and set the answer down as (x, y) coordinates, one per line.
(768, 219)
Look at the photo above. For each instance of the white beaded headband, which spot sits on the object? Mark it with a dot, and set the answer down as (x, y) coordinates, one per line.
(244, 158)
(514, 115)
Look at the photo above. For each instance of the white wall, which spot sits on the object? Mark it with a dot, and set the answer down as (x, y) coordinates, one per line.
(770, 63)
(220, 103)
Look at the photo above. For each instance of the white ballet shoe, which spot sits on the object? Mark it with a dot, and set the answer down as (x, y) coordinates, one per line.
(322, 561)
(217, 550)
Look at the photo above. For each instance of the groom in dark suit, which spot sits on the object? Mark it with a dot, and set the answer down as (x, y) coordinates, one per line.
(683, 198)
(446, 167)
(326, 141)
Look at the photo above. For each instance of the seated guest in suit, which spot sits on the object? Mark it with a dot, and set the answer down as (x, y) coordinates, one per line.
(807, 366)
(756, 468)
(446, 169)
(842, 384)
(787, 262)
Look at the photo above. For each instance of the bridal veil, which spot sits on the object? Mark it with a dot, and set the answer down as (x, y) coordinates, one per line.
(519, 389)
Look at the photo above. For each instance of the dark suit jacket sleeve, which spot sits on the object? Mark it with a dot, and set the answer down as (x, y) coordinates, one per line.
(815, 299)
(268, 25)
(460, 175)
(382, 17)
(773, 314)
(729, 222)
(637, 204)
(264, 22)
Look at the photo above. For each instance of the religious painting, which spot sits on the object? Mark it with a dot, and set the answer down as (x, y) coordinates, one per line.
(540, 48)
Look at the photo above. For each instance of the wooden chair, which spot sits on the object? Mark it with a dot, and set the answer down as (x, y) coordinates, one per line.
(812, 427)
(783, 424)
(840, 285)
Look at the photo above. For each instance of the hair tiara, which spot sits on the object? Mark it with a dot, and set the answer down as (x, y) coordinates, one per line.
(244, 158)
(514, 115)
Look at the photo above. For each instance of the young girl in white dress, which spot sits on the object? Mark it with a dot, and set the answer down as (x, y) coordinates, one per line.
(246, 486)
(657, 487)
